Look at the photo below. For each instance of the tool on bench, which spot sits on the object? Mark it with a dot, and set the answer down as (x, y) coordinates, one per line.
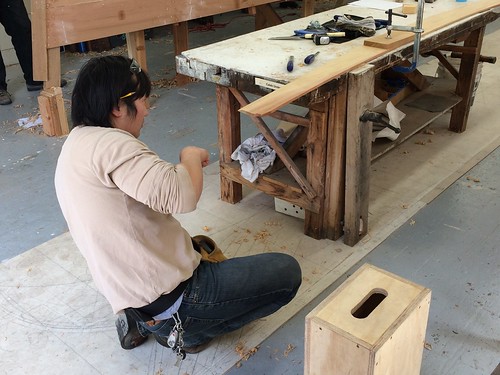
(289, 64)
(323, 39)
(379, 120)
(310, 58)
(309, 35)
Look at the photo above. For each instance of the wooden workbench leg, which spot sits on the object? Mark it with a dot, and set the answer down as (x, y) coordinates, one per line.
(265, 16)
(335, 165)
(181, 44)
(229, 126)
(314, 224)
(466, 80)
(308, 7)
(358, 154)
(50, 100)
(136, 47)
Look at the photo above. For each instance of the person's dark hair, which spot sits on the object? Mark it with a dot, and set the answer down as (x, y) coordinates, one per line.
(101, 84)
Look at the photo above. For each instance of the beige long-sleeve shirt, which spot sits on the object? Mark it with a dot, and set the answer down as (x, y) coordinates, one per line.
(118, 198)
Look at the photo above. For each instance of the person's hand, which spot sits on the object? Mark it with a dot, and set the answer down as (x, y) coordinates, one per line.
(194, 159)
(195, 152)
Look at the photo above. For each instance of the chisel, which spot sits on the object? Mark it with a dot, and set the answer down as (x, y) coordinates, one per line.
(289, 64)
(310, 58)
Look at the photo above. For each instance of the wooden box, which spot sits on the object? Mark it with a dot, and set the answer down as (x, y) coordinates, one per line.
(374, 323)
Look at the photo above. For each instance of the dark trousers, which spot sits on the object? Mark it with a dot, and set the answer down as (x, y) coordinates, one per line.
(15, 20)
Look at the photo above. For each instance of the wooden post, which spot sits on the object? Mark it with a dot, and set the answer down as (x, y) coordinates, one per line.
(136, 48)
(181, 44)
(229, 126)
(335, 164)
(466, 80)
(266, 16)
(314, 224)
(54, 120)
(360, 94)
(308, 7)
(39, 40)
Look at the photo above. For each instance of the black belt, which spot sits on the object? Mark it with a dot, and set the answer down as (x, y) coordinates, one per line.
(163, 302)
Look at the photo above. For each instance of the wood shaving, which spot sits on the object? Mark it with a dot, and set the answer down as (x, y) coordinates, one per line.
(470, 178)
(206, 228)
(412, 222)
(427, 346)
(243, 352)
(262, 235)
(288, 349)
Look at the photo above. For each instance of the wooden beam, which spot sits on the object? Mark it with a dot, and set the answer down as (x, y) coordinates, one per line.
(466, 80)
(181, 44)
(94, 19)
(39, 40)
(358, 154)
(136, 48)
(355, 58)
(229, 137)
(314, 223)
(54, 68)
(335, 165)
(266, 16)
(308, 7)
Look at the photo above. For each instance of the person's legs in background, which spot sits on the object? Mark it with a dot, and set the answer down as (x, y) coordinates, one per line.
(15, 20)
(4, 95)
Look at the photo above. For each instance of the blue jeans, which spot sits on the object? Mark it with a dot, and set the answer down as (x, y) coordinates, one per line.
(223, 297)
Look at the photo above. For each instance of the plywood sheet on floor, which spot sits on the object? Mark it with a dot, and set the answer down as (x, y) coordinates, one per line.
(55, 321)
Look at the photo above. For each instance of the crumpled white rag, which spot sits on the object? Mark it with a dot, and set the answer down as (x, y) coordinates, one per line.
(255, 155)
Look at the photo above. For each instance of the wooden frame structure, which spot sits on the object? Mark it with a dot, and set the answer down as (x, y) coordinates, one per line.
(57, 23)
(333, 185)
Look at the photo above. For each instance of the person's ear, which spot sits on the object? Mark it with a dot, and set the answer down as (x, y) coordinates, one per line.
(118, 111)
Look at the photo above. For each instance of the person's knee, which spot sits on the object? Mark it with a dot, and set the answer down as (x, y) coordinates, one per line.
(289, 269)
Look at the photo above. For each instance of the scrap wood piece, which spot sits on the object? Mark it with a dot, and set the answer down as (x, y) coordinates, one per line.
(352, 60)
(54, 119)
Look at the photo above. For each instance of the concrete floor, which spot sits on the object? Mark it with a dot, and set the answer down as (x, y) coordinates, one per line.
(450, 246)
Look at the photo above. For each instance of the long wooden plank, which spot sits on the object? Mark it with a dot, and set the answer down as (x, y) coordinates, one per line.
(355, 58)
(70, 21)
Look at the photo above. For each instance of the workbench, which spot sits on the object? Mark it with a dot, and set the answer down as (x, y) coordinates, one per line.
(57, 23)
(331, 183)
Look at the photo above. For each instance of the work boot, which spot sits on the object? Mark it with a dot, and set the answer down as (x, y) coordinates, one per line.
(128, 332)
(38, 85)
(5, 97)
(163, 341)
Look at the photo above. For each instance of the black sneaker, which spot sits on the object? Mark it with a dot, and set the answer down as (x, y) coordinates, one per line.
(128, 333)
(38, 85)
(5, 97)
(163, 341)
